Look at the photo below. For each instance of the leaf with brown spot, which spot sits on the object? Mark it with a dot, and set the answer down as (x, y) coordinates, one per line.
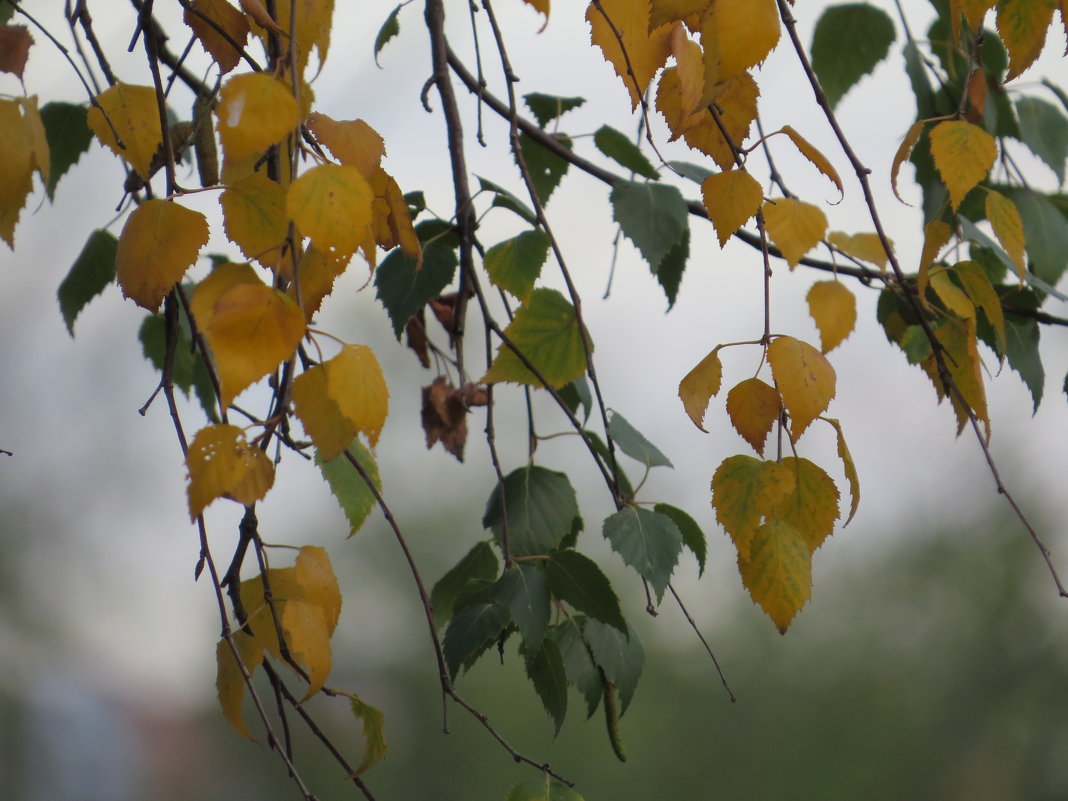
(445, 417)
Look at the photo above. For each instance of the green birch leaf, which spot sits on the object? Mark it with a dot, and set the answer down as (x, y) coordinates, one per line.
(1021, 350)
(1060, 93)
(624, 152)
(351, 491)
(515, 264)
(416, 202)
(389, 29)
(539, 509)
(669, 272)
(921, 86)
(471, 631)
(849, 41)
(579, 666)
(478, 563)
(542, 790)
(626, 489)
(6, 11)
(692, 535)
(695, 172)
(91, 272)
(68, 137)
(578, 580)
(546, 330)
(577, 395)
(374, 735)
(647, 541)
(1044, 129)
(546, 168)
(403, 286)
(547, 108)
(653, 216)
(633, 443)
(916, 344)
(524, 591)
(620, 656)
(545, 669)
(1046, 231)
(504, 199)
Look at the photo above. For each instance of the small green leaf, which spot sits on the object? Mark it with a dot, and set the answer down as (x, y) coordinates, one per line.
(576, 579)
(416, 202)
(506, 200)
(692, 535)
(620, 656)
(633, 443)
(546, 168)
(921, 86)
(647, 541)
(478, 563)
(351, 491)
(849, 41)
(374, 735)
(68, 137)
(538, 508)
(473, 629)
(545, 669)
(389, 29)
(546, 330)
(669, 273)
(404, 287)
(524, 591)
(547, 108)
(695, 172)
(916, 344)
(91, 272)
(652, 216)
(1044, 130)
(515, 264)
(620, 149)
(577, 394)
(542, 790)
(1046, 231)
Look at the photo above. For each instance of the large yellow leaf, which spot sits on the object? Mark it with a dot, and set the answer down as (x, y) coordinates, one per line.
(315, 577)
(699, 385)
(805, 380)
(834, 308)
(352, 142)
(1022, 25)
(1008, 228)
(226, 17)
(731, 199)
(158, 243)
(794, 226)
(819, 161)
(737, 35)
(963, 154)
(753, 407)
(868, 247)
(223, 465)
(229, 679)
(16, 167)
(250, 327)
(254, 218)
(744, 490)
(811, 505)
(778, 572)
(317, 273)
(848, 467)
(646, 51)
(133, 114)
(332, 205)
(255, 111)
(355, 381)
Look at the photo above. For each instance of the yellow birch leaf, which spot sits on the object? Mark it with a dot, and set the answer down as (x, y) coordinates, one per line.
(737, 101)
(306, 629)
(541, 6)
(261, 619)
(753, 407)
(903, 151)
(794, 226)
(963, 154)
(867, 247)
(230, 681)
(699, 385)
(318, 272)
(778, 572)
(737, 35)
(255, 111)
(314, 19)
(221, 280)
(982, 293)
(645, 50)
(222, 464)
(134, 115)
(158, 243)
(214, 43)
(352, 142)
(935, 237)
(315, 577)
(392, 221)
(664, 11)
(805, 380)
(811, 505)
(834, 308)
(254, 218)
(36, 136)
(973, 12)
(952, 296)
(850, 469)
(1008, 228)
(16, 167)
(332, 205)
(818, 160)
(251, 328)
(320, 415)
(354, 380)
(731, 199)
(1022, 26)
(744, 490)
(961, 356)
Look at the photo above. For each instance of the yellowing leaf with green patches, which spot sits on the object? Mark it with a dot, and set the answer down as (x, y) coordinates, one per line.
(805, 380)
(352, 142)
(222, 464)
(963, 154)
(737, 35)
(1022, 26)
(744, 490)
(935, 237)
(646, 51)
(731, 198)
(753, 407)
(133, 114)
(834, 308)
(1008, 228)
(230, 680)
(355, 382)
(332, 205)
(849, 468)
(255, 111)
(699, 385)
(158, 243)
(952, 296)
(320, 415)
(903, 151)
(254, 218)
(778, 572)
(867, 247)
(794, 226)
(546, 330)
(977, 284)
(811, 506)
(374, 736)
(818, 160)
